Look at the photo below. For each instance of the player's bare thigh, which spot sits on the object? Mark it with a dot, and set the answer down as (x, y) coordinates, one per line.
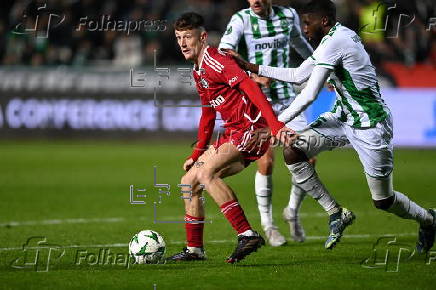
(222, 162)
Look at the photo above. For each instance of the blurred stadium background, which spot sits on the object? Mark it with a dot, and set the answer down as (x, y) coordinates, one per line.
(92, 68)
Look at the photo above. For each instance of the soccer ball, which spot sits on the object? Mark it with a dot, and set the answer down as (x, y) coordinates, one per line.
(147, 247)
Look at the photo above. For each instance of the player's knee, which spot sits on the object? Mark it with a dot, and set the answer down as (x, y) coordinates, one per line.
(293, 155)
(265, 167)
(265, 170)
(188, 179)
(384, 204)
(205, 175)
(381, 189)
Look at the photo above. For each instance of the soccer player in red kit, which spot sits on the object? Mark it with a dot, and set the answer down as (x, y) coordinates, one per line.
(225, 88)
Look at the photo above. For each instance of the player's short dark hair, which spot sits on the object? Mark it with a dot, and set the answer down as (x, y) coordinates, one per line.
(321, 7)
(189, 20)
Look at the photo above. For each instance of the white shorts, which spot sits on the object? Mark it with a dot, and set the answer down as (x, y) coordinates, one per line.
(373, 145)
(298, 124)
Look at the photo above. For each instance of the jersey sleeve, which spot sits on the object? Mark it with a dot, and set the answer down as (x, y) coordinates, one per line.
(297, 39)
(233, 33)
(231, 73)
(253, 92)
(205, 130)
(292, 75)
(329, 53)
(307, 96)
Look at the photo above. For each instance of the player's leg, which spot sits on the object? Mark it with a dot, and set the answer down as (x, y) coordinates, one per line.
(227, 160)
(297, 194)
(263, 189)
(324, 134)
(194, 213)
(223, 162)
(209, 171)
(375, 151)
(395, 202)
(291, 213)
(192, 188)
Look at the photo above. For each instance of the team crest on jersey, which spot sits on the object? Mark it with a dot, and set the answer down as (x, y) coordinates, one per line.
(229, 30)
(204, 83)
(284, 24)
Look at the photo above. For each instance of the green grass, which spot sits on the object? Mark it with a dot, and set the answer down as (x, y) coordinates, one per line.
(58, 181)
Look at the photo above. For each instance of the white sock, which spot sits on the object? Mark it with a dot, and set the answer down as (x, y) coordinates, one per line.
(306, 178)
(296, 197)
(248, 233)
(195, 250)
(407, 209)
(263, 188)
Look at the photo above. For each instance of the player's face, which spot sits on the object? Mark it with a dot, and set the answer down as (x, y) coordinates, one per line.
(313, 27)
(191, 42)
(260, 7)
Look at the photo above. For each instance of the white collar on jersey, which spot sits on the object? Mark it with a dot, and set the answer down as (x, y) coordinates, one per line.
(201, 61)
(270, 16)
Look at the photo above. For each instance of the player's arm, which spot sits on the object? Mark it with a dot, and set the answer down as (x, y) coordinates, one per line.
(292, 75)
(205, 131)
(324, 60)
(297, 39)
(307, 95)
(253, 92)
(235, 77)
(233, 34)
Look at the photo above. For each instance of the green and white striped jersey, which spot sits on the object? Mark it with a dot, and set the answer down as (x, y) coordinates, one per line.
(358, 99)
(268, 42)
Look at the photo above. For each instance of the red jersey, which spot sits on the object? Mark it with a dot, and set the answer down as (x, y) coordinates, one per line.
(217, 79)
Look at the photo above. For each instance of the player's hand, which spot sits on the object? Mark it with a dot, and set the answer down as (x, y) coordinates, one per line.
(263, 81)
(286, 136)
(245, 65)
(188, 164)
(257, 139)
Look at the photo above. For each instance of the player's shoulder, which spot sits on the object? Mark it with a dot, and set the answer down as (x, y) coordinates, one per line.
(242, 15)
(216, 59)
(218, 54)
(338, 36)
(287, 12)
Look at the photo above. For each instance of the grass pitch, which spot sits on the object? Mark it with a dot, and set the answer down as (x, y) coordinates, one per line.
(75, 195)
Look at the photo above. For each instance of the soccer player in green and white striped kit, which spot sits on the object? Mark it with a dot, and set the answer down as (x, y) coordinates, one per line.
(266, 33)
(359, 118)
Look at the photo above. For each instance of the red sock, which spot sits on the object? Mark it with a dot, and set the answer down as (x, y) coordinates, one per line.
(194, 231)
(235, 215)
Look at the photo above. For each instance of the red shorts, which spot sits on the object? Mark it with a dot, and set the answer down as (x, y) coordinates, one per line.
(239, 138)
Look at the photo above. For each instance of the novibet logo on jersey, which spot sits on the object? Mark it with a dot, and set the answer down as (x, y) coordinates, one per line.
(275, 44)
